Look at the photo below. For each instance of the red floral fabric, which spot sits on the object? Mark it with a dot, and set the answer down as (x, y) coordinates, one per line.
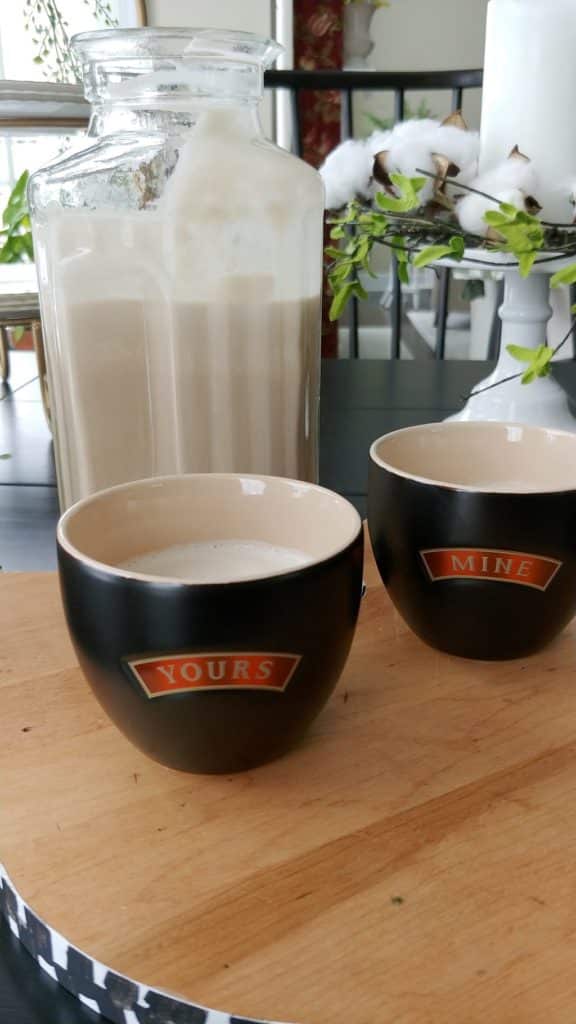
(318, 43)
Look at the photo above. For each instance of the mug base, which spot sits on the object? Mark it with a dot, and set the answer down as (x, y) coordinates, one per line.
(472, 653)
(233, 763)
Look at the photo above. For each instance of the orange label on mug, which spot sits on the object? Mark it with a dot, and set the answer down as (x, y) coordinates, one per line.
(487, 564)
(181, 673)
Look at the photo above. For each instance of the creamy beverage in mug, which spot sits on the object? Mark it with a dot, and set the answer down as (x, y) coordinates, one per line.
(218, 561)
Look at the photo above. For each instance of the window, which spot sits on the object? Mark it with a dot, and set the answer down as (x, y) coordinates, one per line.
(17, 62)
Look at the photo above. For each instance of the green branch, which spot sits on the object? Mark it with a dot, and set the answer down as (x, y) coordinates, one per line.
(395, 221)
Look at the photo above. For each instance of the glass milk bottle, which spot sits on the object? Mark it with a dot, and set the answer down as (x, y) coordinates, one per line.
(179, 261)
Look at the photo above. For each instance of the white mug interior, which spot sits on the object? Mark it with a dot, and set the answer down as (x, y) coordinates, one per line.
(124, 522)
(486, 457)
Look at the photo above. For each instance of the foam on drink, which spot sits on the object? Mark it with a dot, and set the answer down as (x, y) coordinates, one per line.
(218, 561)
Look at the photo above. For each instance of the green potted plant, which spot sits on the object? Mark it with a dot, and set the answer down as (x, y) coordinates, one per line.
(15, 247)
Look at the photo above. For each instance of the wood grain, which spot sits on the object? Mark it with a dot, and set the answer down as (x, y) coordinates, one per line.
(413, 861)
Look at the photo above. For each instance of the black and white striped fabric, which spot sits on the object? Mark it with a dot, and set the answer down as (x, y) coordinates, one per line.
(117, 998)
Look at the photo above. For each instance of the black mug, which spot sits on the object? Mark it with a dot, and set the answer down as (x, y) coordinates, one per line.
(211, 676)
(473, 527)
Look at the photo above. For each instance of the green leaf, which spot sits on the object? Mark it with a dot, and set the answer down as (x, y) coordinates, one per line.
(340, 301)
(335, 254)
(402, 255)
(496, 219)
(421, 112)
(363, 248)
(359, 291)
(337, 232)
(524, 355)
(538, 360)
(8, 252)
(16, 235)
(379, 226)
(565, 276)
(352, 212)
(526, 262)
(473, 289)
(458, 247)
(509, 210)
(398, 243)
(16, 249)
(431, 255)
(455, 249)
(14, 218)
(16, 207)
(404, 273)
(409, 190)
(28, 245)
(529, 376)
(522, 234)
(384, 201)
(339, 274)
(406, 184)
(543, 359)
(19, 190)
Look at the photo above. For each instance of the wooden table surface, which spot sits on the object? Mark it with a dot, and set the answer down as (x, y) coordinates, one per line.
(412, 862)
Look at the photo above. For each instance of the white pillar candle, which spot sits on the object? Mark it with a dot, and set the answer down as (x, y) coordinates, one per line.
(530, 92)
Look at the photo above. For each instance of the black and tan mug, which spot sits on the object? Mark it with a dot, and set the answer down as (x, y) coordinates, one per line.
(226, 672)
(473, 527)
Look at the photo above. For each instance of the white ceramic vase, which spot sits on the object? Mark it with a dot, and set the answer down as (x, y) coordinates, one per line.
(358, 43)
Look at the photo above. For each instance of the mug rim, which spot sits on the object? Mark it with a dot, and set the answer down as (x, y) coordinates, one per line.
(487, 425)
(116, 571)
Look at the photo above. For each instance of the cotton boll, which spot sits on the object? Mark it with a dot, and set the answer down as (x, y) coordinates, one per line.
(409, 156)
(461, 147)
(408, 148)
(513, 173)
(346, 173)
(470, 212)
(404, 134)
(512, 181)
(562, 194)
(417, 129)
(468, 173)
(471, 209)
(411, 146)
(378, 142)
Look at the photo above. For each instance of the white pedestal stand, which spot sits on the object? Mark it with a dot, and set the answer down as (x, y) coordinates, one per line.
(525, 314)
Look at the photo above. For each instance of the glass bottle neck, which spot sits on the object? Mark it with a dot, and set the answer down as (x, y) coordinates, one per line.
(241, 118)
(164, 79)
